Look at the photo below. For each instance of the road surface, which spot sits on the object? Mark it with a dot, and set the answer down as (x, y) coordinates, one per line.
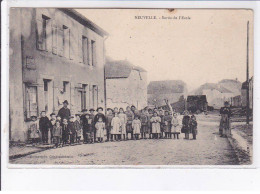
(208, 149)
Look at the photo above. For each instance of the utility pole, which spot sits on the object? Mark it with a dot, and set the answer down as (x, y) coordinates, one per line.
(247, 76)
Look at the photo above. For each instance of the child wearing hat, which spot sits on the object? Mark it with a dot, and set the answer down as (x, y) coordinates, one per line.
(33, 130)
(100, 128)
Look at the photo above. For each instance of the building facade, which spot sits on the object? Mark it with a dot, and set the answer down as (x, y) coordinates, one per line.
(244, 93)
(55, 55)
(126, 85)
(172, 90)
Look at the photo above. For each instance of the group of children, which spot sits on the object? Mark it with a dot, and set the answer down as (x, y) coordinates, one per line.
(116, 125)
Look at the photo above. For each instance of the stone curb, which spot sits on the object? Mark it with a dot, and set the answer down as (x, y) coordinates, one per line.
(242, 153)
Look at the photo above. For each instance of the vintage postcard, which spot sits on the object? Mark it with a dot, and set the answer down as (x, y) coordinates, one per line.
(130, 87)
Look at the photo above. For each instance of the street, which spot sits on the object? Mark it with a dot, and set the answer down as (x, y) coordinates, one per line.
(208, 149)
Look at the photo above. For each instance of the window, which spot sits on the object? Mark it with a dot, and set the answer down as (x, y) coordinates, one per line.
(48, 96)
(93, 52)
(31, 102)
(44, 34)
(65, 86)
(66, 42)
(83, 96)
(85, 52)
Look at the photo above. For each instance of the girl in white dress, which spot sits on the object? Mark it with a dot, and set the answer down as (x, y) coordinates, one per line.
(100, 127)
(156, 122)
(116, 125)
(123, 119)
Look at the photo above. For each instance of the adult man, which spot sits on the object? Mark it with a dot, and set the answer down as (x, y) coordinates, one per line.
(64, 112)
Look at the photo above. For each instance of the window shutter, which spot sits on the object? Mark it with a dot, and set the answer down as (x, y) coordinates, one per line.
(39, 32)
(54, 39)
(60, 42)
(72, 46)
(80, 49)
(66, 43)
(49, 35)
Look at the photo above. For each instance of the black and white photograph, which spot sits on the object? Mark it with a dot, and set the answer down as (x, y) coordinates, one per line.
(130, 87)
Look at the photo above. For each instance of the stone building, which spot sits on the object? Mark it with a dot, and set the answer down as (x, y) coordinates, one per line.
(215, 93)
(55, 55)
(172, 90)
(126, 85)
(244, 93)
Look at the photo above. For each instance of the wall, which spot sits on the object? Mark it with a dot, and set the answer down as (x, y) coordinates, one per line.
(50, 66)
(123, 92)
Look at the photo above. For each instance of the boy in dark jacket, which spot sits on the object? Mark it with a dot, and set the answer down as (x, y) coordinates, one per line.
(44, 124)
(193, 126)
(65, 132)
(71, 129)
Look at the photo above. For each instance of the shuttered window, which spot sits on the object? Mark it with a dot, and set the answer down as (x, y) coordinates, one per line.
(44, 33)
(85, 50)
(93, 52)
(31, 101)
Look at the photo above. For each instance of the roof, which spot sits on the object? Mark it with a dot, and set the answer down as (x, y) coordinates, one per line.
(84, 21)
(212, 86)
(197, 97)
(166, 87)
(120, 69)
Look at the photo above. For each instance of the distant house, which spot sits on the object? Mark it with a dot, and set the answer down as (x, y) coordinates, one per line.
(172, 90)
(215, 93)
(126, 85)
(232, 85)
(244, 96)
(197, 103)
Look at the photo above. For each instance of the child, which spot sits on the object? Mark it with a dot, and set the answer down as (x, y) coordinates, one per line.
(65, 132)
(167, 124)
(162, 123)
(33, 130)
(115, 124)
(136, 125)
(100, 127)
(57, 133)
(156, 120)
(144, 124)
(109, 118)
(193, 126)
(185, 124)
(72, 131)
(175, 126)
(53, 122)
(130, 117)
(44, 124)
(78, 128)
(123, 119)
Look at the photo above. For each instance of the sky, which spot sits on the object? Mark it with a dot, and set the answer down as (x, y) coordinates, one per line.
(207, 45)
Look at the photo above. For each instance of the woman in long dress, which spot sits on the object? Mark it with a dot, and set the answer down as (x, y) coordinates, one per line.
(224, 128)
(123, 118)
